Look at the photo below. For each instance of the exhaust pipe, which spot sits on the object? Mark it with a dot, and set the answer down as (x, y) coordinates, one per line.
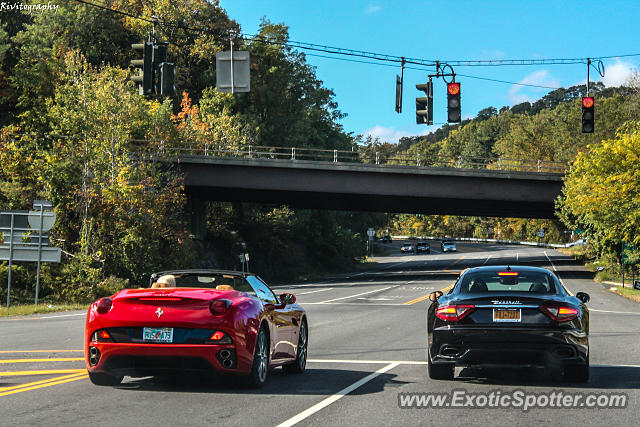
(94, 356)
(225, 354)
(227, 363)
(450, 351)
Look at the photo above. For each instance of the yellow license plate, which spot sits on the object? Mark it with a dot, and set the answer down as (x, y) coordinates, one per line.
(507, 315)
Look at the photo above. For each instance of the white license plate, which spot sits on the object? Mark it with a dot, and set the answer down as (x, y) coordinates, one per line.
(507, 315)
(157, 334)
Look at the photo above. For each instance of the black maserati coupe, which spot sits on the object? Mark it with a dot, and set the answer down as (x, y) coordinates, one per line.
(508, 316)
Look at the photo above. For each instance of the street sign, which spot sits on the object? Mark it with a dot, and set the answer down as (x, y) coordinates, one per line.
(232, 71)
(371, 232)
(541, 233)
(629, 255)
(24, 239)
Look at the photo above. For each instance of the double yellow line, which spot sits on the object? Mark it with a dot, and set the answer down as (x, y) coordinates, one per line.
(81, 374)
(443, 290)
(70, 374)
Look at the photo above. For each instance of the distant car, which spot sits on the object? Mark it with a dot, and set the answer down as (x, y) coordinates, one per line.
(508, 316)
(423, 247)
(386, 239)
(199, 321)
(448, 246)
(407, 247)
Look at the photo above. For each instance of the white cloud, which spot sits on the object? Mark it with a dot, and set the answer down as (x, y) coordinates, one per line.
(617, 74)
(518, 93)
(373, 8)
(387, 134)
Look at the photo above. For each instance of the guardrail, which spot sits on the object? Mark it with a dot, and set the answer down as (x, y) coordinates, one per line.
(580, 242)
(373, 158)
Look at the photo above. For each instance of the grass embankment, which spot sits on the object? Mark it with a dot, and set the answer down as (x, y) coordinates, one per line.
(627, 292)
(605, 271)
(23, 310)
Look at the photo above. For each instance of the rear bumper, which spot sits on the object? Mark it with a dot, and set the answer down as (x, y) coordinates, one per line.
(516, 347)
(158, 359)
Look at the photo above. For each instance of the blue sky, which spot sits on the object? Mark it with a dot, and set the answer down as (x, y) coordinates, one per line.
(451, 30)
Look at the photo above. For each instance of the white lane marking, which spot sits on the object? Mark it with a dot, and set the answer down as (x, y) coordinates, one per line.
(554, 267)
(44, 317)
(369, 362)
(377, 299)
(615, 312)
(357, 295)
(361, 304)
(313, 292)
(339, 395)
(486, 260)
(294, 286)
(63, 315)
(517, 256)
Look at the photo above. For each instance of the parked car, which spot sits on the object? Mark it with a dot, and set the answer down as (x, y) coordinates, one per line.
(386, 239)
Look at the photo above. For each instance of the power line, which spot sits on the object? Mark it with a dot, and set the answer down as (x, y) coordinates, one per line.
(379, 56)
(428, 70)
(385, 58)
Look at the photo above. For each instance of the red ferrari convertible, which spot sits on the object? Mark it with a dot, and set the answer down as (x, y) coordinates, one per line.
(198, 321)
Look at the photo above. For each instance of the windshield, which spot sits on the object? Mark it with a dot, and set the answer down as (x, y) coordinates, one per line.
(509, 281)
(198, 280)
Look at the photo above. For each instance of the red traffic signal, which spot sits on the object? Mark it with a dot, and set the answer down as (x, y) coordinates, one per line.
(453, 103)
(453, 88)
(588, 114)
(587, 102)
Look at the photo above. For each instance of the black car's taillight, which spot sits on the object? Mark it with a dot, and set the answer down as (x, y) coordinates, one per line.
(454, 313)
(561, 313)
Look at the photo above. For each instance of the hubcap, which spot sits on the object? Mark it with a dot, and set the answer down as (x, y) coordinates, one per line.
(262, 357)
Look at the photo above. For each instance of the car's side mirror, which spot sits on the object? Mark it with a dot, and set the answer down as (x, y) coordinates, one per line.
(287, 298)
(435, 295)
(583, 296)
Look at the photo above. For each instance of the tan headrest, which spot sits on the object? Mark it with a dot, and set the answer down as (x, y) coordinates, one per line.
(224, 287)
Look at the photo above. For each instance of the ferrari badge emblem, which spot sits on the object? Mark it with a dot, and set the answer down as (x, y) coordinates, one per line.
(159, 312)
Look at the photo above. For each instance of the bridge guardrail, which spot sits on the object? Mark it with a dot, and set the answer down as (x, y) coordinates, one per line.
(374, 158)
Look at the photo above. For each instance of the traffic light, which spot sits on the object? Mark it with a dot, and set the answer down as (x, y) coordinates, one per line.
(453, 102)
(588, 114)
(424, 105)
(165, 83)
(145, 74)
(398, 95)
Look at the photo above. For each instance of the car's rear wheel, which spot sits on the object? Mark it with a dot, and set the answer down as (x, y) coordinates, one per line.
(577, 373)
(300, 364)
(99, 378)
(440, 371)
(260, 367)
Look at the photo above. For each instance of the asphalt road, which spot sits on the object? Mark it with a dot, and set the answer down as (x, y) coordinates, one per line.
(367, 345)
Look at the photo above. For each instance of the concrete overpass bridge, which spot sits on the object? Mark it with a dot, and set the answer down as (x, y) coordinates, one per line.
(371, 187)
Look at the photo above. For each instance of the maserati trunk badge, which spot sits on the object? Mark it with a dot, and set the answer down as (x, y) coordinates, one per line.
(159, 312)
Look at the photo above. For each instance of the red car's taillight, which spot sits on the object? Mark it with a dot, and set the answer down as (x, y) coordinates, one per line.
(454, 313)
(104, 305)
(560, 314)
(219, 337)
(218, 307)
(101, 336)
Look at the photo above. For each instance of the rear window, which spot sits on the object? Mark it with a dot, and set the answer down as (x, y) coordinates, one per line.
(508, 281)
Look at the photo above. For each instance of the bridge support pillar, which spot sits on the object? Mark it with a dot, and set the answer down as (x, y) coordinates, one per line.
(197, 217)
